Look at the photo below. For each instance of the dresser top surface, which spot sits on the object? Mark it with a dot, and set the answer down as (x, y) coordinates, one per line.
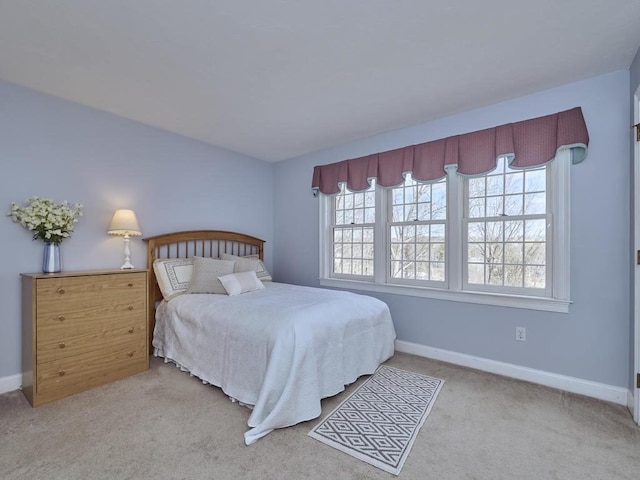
(81, 273)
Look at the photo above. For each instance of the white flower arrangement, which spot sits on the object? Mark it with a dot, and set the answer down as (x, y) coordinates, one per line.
(49, 221)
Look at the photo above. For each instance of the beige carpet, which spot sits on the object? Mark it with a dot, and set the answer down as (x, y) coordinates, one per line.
(162, 424)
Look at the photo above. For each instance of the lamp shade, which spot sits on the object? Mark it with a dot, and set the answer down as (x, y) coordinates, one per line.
(124, 222)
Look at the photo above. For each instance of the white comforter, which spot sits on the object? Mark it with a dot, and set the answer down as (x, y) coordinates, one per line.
(280, 349)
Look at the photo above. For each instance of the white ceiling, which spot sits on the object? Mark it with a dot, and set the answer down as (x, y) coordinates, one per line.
(275, 79)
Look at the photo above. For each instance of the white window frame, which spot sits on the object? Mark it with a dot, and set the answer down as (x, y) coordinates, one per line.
(558, 301)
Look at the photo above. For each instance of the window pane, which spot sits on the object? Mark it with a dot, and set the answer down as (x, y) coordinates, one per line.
(494, 206)
(534, 277)
(476, 232)
(422, 251)
(437, 232)
(439, 200)
(337, 265)
(514, 182)
(495, 231)
(437, 272)
(437, 252)
(408, 234)
(348, 217)
(513, 276)
(535, 180)
(398, 213)
(396, 269)
(357, 267)
(422, 270)
(494, 253)
(495, 274)
(514, 231)
(476, 207)
(369, 215)
(476, 252)
(476, 187)
(424, 211)
(534, 230)
(534, 254)
(476, 273)
(368, 268)
(495, 185)
(535, 203)
(513, 205)
(513, 253)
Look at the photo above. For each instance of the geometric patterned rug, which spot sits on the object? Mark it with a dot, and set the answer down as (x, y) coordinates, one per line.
(379, 422)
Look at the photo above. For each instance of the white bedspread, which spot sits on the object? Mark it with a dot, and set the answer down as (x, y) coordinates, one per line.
(281, 349)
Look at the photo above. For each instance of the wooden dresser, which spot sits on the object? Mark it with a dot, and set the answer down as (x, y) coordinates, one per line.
(81, 330)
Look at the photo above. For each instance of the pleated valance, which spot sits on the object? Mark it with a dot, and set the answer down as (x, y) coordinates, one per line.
(528, 143)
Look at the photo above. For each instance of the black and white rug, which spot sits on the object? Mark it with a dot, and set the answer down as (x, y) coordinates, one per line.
(379, 422)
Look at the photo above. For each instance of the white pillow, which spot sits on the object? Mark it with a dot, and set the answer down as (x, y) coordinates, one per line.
(173, 276)
(241, 282)
(205, 275)
(247, 263)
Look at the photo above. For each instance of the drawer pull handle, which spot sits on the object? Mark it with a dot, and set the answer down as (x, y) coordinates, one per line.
(60, 291)
(130, 307)
(129, 284)
(130, 354)
(62, 345)
(130, 330)
(61, 372)
(61, 318)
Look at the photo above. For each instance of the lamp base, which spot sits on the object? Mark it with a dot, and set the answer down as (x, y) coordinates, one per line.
(127, 255)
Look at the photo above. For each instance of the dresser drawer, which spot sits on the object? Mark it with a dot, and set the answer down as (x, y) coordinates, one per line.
(73, 374)
(55, 326)
(92, 293)
(112, 335)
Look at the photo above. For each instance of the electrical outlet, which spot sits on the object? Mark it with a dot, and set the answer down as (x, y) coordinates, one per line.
(521, 334)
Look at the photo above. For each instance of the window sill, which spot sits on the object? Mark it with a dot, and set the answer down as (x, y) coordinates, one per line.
(482, 298)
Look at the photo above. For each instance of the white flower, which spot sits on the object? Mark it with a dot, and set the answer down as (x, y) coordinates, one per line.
(48, 220)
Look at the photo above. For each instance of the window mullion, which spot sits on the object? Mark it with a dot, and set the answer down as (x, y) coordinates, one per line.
(455, 253)
(381, 257)
(326, 235)
(560, 170)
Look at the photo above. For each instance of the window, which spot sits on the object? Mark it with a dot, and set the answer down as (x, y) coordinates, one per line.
(505, 228)
(417, 237)
(354, 216)
(501, 238)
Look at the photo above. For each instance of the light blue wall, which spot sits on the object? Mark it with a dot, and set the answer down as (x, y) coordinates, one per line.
(53, 148)
(591, 342)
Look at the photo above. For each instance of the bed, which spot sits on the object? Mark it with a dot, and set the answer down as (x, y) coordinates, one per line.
(278, 348)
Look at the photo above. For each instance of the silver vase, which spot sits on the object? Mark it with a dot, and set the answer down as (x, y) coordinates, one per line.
(51, 258)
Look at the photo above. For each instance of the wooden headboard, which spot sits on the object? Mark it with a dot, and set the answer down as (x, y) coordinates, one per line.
(201, 243)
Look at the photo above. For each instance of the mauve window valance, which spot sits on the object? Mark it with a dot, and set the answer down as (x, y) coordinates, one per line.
(526, 144)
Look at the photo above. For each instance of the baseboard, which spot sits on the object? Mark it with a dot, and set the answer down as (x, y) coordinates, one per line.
(10, 383)
(601, 391)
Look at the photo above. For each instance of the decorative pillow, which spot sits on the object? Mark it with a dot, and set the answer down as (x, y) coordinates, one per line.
(241, 282)
(205, 275)
(248, 263)
(173, 276)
